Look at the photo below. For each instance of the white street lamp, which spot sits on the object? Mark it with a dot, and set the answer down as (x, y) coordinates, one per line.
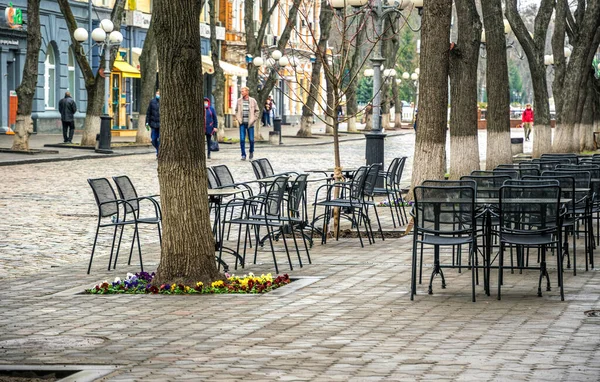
(414, 76)
(283, 61)
(418, 71)
(337, 4)
(105, 37)
(369, 72)
(406, 75)
(398, 81)
(258, 61)
(276, 54)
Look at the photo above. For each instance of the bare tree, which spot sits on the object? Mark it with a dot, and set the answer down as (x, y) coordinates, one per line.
(26, 90)
(534, 48)
(314, 87)
(464, 56)
(254, 39)
(218, 91)
(581, 28)
(430, 146)
(94, 84)
(148, 64)
(187, 245)
(498, 113)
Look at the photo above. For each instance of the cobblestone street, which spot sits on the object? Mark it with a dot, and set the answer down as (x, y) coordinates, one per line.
(354, 322)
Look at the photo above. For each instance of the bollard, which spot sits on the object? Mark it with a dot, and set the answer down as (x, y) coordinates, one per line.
(516, 146)
(273, 137)
(277, 127)
(103, 139)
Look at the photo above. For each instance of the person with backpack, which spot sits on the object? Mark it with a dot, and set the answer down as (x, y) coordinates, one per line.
(211, 124)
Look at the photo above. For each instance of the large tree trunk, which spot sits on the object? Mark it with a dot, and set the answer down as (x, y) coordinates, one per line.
(586, 127)
(94, 84)
(187, 245)
(314, 92)
(26, 90)
(429, 158)
(534, 48)
(498, 113)
(577, 69)
(219, 76)
(148, 63)
(464, 148)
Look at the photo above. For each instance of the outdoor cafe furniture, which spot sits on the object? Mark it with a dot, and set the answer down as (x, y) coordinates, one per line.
(391, 189)
(118, 213)
(444, 215)
(352, 201)
(530, 216)
(261, 211)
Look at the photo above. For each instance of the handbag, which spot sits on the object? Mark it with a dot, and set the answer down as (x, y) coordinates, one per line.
(214, 145)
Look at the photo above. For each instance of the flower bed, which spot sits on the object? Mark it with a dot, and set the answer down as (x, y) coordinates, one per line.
(141, 283)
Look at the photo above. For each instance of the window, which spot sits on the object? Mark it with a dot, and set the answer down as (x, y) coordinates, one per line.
(71, 68)
(50, 78)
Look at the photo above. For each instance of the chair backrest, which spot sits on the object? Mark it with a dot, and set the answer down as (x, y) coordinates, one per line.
(399, 171)
(488, 186)
(514, 174)
(563, 158)
(371, 179)
(450, 183)
(274, 196)
(213, 182)
(506, 166)
(296, 194)
(223, 175)
(127, 192)
(529, 165)
(566, 183)
(444, 210)
(582, 178)
(357, 184)
(528, 171)
(265, 166)
(104, 193)
(593, 169)
(529, 207)
(391, 171)
(547, 164)
(257, 170)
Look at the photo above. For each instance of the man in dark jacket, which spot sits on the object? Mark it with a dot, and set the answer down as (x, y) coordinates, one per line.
(211, 124)
(67, 109)
(153, 120)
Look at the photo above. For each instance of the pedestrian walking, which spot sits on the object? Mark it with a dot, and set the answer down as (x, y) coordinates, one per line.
(527, 120)
(246, 114)
(266, 114)
(153, 120)
(67, 109)
(273, 108)
(211, 124)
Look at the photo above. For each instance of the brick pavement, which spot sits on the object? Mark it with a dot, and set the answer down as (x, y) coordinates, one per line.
(355, 323)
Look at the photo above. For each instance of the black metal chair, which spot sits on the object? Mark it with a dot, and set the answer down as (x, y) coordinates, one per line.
(261, 211)
(128, 192)
(297, 213)
(530, 216)
(387, 189)
(563, 158)
(348, 198)
(399, 192)
(443, 216)
(112, 212)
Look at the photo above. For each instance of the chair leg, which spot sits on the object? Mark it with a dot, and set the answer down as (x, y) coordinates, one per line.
(295, 243)
(379, 223)
(119, 247)
(287, 251)
(139, 247)
(93, 248)
(135, 235)
(357, 228)
(273, 250)
(500, 269)
(305, 244)
(112, 248)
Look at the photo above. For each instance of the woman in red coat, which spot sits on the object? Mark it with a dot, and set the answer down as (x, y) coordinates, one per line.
(527, 120)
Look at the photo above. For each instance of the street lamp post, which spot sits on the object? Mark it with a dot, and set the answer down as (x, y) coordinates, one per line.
(105, 37)
(379, 9)
(276, 62)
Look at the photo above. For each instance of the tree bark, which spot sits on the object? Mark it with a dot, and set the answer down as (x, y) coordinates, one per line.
(330, 115)
(148, 65)
(498, 113)
(577, 69)
(430, 145)
(464, 148)
(26, 90)
(534, 49)
(187, 245)
(586, 126)
(94, 84)
(314, 92)
(355, 67)
(219, 76)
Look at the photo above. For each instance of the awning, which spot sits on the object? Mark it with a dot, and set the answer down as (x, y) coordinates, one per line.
(207, 66)
(233, 70)
(126, 69)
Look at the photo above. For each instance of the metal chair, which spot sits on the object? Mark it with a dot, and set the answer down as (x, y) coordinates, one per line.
(387, 190)
(530, 216)
(443, 216)
(128, 192)
(112, 212)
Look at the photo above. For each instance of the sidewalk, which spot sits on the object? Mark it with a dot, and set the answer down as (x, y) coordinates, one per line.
(38, 141)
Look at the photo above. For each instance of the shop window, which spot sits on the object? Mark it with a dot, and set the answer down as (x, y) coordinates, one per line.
(50, 78)
(71, 69)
